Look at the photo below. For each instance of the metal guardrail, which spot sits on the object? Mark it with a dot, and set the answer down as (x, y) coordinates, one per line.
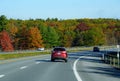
(112, 56)
(113, 60)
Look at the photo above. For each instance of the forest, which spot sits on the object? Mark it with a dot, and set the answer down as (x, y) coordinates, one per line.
(18, 34)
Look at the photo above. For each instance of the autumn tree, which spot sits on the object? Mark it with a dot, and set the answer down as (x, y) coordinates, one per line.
(68, 39)
(68, 33)
(117, 33)
(80, 31)
(5, 41)
(94, 36)
(78, 40)
(12, 28)
(82, 27)
(34, 38)
(22, 37)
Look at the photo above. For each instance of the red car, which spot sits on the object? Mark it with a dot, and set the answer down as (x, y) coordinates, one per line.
(59, 53)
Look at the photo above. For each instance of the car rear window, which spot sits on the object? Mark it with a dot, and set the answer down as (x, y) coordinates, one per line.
(59, 49)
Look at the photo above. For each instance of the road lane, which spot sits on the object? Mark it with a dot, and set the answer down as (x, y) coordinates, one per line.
(44, 71)
(37, 69)
(12, 64)
(89, 67)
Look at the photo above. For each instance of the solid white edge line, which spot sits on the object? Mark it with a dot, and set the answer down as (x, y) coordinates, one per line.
(1, 76)
(75, 70)
(23, 67)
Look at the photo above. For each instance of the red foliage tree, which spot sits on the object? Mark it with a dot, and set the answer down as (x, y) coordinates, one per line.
(82, 27)
(5, 42)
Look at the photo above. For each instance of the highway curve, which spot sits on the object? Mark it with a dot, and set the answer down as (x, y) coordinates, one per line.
(81, 66)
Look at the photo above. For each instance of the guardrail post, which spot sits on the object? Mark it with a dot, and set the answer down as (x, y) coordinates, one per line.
(118, 56)
(103, 56)
(114, 62)
(118, 62)
(110, 60)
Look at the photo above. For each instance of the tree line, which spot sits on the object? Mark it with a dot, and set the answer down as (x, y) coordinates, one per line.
(17, 34)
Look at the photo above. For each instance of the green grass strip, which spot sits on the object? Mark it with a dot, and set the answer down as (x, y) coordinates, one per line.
(19, 55)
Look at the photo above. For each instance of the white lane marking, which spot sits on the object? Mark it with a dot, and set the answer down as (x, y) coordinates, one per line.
(37, 63)
(1, 76)
(23, 67)
(75, 70)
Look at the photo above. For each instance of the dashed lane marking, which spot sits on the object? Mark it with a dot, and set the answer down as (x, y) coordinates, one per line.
(23, 67)
(37, 63)
(1, 76)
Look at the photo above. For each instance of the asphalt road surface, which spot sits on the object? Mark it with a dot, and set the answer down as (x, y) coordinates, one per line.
(81, 66)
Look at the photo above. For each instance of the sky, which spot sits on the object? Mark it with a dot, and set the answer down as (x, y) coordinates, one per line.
(61, 9)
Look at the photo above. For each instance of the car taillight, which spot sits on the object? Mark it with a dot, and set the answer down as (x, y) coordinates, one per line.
(64, 52)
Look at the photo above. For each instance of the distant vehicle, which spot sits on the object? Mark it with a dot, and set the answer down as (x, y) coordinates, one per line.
(96, 49)
(59, 53)
(41, 49)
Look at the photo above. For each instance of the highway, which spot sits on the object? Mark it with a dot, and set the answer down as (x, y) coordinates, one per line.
(81, 66)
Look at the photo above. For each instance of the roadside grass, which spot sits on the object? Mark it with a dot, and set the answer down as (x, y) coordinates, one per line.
(79, 49)
(19, 55)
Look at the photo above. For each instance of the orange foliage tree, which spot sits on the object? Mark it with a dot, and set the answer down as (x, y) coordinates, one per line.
(34, 38)
(5, 41)
(13, 30)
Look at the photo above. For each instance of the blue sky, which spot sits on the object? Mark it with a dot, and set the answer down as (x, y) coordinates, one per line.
(61, 9)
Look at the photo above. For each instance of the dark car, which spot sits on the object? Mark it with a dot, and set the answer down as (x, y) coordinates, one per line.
(96, 49)
(59, 53)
